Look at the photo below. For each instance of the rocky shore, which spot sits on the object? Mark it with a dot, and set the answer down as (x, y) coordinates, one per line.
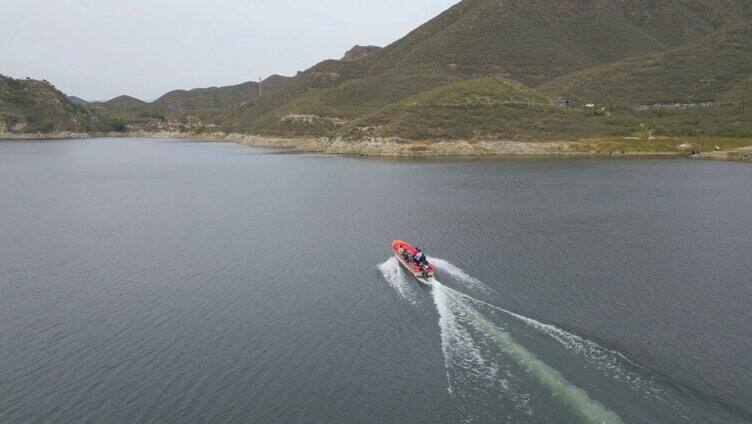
(740, 155)
(43, 136)
(375, 146)
(403, 148)
(397, 147)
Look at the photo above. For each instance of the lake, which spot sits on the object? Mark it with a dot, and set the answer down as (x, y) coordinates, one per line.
(168, 281)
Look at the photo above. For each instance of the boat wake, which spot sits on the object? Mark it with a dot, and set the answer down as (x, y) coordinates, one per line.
(466, 365)
(460, 275)
(495, 378)
(395, 276)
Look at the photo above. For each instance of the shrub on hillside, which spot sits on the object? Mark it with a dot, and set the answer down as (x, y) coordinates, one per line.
(118, 125)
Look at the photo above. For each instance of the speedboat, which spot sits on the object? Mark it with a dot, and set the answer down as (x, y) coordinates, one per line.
(405, 254)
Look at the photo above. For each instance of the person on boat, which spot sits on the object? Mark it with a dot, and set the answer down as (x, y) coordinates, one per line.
(420, 257)
(406, 256)
(403, 254)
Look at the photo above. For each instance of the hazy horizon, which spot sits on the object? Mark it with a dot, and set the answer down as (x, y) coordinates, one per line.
(100, 50)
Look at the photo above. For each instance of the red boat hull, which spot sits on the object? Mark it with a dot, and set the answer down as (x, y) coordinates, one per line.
(419, 271)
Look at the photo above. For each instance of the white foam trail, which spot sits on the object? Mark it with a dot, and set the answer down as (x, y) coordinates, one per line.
(459, 311)
(396, 278)
(608, 361)
(574, 398)
(569, 340)
(460, 275)
(456, 342)
(471, 376)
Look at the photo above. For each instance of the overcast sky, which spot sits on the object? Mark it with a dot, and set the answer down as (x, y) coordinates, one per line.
(98, 49)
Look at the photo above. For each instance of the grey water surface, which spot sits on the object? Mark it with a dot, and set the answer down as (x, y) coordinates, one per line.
(165, 281)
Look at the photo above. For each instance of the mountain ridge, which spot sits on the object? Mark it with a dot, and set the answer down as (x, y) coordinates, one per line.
(615, 56)
(704, 70)
(29, 107)
(529, 42)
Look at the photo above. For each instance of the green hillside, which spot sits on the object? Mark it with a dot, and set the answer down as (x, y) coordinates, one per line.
(532, 42)
(487, 108)
(199, 104)
(30, 106)
(473, 108)
(706, 70)
(77, 100)
(358, 52)
(487, 91)
(536, 41)
(268, 114)
(495, 69)
(204, 103)
(741, 91)
(124, 107)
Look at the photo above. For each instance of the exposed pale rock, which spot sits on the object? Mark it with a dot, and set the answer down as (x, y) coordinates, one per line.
(43, 136)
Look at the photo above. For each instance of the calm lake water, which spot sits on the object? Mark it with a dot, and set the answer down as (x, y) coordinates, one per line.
(186, 282)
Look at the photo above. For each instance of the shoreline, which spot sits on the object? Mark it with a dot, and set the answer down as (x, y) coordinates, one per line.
(57, 135)
(396, 147)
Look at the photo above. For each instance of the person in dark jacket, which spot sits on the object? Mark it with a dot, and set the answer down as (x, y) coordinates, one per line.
(406, 256)
(420, 257)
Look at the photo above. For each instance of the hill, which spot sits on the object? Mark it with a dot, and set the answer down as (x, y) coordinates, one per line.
(77, 100)
(476, 108)
(536, 41)
(358, 52)
(532, 42)
(489, 108)
(124, 107)
(196, 106)
(31, 106)
(204, 103)
(710, 69)
(274, 83)
(493, 69)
